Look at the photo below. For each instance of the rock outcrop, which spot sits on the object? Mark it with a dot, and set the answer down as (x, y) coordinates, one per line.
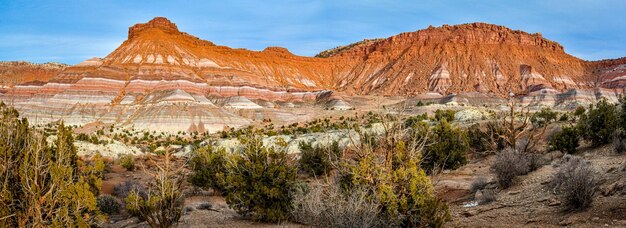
(463, 58)
(12, 73)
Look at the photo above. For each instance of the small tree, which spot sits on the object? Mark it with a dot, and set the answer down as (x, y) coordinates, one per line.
(447, 148)
(619, 135)
(622, 113)
(565, 140)
(209, 167)
(519, 131)
(162, 205)
(319, 160)
(42, 185)
(447, 115)
(598, 123)
(390, 169)
(261, 180)
(543, 117)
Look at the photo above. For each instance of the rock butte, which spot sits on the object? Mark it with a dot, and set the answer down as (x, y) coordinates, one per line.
(166, 80)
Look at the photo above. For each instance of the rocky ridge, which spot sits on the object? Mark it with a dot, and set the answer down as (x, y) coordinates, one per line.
(463, 58)
(18, 72)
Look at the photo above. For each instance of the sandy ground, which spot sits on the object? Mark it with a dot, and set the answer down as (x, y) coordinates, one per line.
(530, 202)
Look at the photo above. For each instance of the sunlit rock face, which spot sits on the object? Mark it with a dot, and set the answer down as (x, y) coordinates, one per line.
(17, 72)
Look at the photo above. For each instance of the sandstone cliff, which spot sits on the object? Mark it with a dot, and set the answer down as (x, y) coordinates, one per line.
(463, 58)
(12, 73)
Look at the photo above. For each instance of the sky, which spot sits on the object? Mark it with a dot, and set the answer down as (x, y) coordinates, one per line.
(72, 31)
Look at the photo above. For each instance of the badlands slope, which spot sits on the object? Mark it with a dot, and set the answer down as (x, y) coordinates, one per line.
(166, 80)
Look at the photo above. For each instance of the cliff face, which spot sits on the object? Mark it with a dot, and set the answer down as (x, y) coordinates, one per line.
(12, 73)
(463, 58)
(610, 73)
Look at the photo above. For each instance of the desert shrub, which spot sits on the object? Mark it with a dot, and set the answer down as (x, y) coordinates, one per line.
(162, 206)
(478, 184)
(124, 189)
(598, 123)
(127, 161)
(318, 160)
(580, 110)
(93, 172)
(510, 164)
(330, 207)
(205, 206)
(261, 180)
(543, 117)
(575, 183)
(564, 117)
(481, 141)
(447, 148)
(565, 140)
(619, 140)
(108, 204)
(447, 115)
(535, 161)
(41, 184)
(413, 120)
(83, 137)
(90, 139)
(209, 167)
(400, 185)
(621, 115)
(486, 196)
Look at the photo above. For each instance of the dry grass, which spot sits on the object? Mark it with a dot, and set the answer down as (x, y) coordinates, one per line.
(329, 207)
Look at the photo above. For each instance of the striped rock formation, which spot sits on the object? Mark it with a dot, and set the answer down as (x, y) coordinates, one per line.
(453, 59)
(167, 80)
(13, 73)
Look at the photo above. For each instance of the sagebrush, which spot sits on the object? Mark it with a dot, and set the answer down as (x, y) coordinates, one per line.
(510, 164)
(321, 206)
(575, 183)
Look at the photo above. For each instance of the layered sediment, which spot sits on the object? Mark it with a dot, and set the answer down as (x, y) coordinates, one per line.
(163, 79)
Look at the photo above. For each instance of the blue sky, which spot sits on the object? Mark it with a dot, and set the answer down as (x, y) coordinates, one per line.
(71, 31)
